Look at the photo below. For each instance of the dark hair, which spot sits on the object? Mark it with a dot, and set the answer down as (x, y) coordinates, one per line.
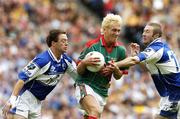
(53, 36)
(156, 28)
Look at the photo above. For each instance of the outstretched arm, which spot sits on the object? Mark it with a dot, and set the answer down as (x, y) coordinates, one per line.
(18, 86)
(129, 61)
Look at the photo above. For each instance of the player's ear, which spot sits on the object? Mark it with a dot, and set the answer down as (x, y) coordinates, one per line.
(156, 36)
(53, 43)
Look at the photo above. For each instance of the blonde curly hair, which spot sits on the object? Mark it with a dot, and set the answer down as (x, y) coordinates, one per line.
(109, 20)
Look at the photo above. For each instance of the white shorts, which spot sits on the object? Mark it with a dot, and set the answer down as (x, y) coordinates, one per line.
(87, 90)
(168, 108)
(27, 106)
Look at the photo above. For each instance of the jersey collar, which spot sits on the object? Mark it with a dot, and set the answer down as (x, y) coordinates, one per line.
(156, 40)
(53, 56)
(108, 49)
(103, 43)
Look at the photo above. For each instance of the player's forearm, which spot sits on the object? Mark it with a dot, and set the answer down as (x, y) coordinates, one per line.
(117, 74)
(81, 68)
(18, 86)
(129, 61)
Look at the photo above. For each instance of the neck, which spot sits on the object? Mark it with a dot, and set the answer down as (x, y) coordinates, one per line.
(56, 53)
(109, 42)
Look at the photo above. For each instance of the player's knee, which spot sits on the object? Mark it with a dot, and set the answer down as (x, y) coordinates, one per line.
(90, 117)
(94, 111)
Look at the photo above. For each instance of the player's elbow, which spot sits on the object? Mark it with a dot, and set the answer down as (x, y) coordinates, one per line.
(118, 77)
(81, 70)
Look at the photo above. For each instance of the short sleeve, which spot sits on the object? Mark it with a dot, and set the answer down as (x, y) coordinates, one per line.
(83, 54)
(149, 55)
(32, 68)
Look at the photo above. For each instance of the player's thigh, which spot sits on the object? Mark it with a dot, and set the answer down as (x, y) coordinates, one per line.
(9, 116)
(89, 103)
(178, 115)
(16, 116)
(159, 117)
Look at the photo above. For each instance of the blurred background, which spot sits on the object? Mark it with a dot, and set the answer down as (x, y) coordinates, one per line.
(24, 25)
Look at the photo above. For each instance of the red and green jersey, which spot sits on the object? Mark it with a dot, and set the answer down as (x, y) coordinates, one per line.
(99, 83)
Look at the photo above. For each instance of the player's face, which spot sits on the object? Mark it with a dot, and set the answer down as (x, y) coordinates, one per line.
(113, 32)
(62, 43)
(147, 35)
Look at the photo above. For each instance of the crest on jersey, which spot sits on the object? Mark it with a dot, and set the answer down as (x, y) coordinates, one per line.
(63, 66)
(147, 50)
(31, 66)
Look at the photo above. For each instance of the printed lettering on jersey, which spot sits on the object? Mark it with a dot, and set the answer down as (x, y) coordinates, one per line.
(30, 69)
(31, 66)
(148, 52)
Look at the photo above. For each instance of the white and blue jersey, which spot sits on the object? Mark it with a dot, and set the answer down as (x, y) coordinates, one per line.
(164, 68)
(43, 73)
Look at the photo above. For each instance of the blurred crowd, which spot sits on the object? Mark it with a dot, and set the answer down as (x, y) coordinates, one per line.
(24, 25)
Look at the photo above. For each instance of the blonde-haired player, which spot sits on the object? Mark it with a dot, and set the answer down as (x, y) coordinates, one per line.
(92, 89)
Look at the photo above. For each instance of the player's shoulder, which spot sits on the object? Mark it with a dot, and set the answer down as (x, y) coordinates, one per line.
(68, 58)
(93, 42)
(120, 45)
(42, 58)
(43, 55)
(156, 45)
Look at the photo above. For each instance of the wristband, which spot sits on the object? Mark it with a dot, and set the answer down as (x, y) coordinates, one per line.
(12, 100)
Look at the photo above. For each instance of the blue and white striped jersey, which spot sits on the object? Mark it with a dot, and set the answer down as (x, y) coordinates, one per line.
(164, 68)
(43, 73)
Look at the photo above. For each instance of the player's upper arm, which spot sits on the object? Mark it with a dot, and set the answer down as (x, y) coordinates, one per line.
(32, 68)
(149, 55)
(152, 53)
(83, 53)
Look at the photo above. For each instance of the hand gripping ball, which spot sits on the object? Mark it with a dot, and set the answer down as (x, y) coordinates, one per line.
(96, 68)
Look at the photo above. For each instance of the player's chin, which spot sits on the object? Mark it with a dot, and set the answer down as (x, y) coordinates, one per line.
(65, 49)
(145, 43)
(115, 37)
